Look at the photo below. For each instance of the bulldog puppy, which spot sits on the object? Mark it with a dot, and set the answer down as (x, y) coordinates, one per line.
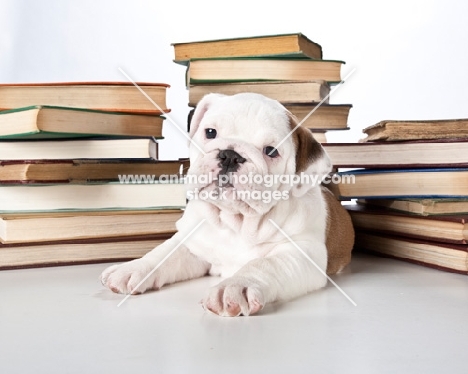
(242, 187)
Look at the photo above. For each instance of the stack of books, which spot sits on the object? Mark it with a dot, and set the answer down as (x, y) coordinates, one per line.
(79, 176)
(411, 190)
(288, 68)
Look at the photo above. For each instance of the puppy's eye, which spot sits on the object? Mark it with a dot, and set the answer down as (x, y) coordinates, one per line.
(271, 152)
(210, 133)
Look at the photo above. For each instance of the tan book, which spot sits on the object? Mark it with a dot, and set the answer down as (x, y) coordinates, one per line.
(400, 183)
(285, 45)
(324, 117)
(320, 136)
(45, 122)
(126, 195)
(438, 228)
(417, 130)
(422, 207)
(442, 256)
(407, 154)
(107, 96)
(284, 92)
(73, 252)
(53, 226)
(91, 170)
(83, 148)
(261, 69)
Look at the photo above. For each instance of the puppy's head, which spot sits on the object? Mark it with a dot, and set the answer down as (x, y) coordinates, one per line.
(246, 150)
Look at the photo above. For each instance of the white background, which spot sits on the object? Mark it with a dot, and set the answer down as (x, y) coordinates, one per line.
(410, 57)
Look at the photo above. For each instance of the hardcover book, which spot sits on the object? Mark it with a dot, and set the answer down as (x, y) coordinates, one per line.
(324, 117)
(401, 183)
(55, 226)
(83, 148)
(106, 96)
(285, 92)
(417, 130)
(295, 45)
(261, 69)
(43, 122)
(74, 252)
(422, 207)
(87, 170)
(91, 197)
(442, 256)
(438, 228)
(405, 154)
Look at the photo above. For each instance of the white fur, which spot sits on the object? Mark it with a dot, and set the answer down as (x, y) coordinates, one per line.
(237, 241)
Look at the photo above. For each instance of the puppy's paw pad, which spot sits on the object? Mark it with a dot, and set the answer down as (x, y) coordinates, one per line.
(233, 300)
(126, 278)
(256, 302)
(232, 308)
(106, 273)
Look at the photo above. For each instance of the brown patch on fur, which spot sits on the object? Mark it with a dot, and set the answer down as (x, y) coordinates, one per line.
(339, 234)
(307, 148)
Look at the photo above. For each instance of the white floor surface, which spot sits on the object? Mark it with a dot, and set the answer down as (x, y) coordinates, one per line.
(408, 319)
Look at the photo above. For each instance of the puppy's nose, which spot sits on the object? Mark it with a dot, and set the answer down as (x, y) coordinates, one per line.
(229, 160)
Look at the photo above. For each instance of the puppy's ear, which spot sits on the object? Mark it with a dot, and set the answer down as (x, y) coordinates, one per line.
(197, 115)
(311, 158)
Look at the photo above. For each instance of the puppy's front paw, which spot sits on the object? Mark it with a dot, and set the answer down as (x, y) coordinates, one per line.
(232, 299)
(125, 278)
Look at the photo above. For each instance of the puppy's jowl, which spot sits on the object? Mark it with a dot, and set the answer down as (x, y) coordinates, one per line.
(237, 241)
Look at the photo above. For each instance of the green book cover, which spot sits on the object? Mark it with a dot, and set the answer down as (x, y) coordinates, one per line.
(282, 56)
